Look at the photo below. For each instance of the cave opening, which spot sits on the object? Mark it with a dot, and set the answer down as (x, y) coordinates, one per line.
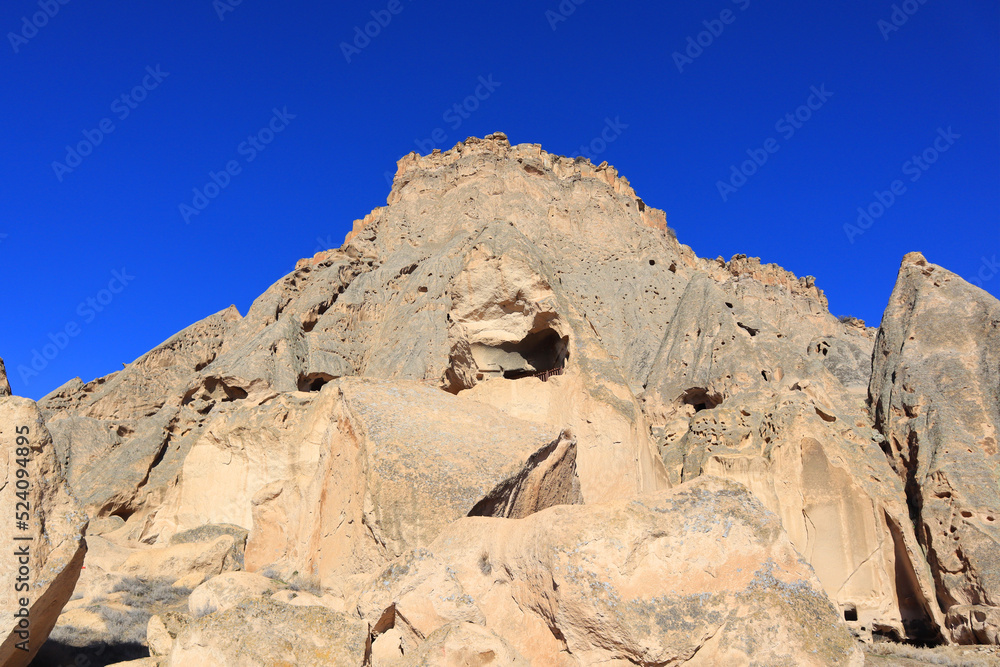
(541, 353)
(314, 381)
(700, 399)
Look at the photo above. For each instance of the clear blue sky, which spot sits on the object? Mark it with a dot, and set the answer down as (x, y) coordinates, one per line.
(554, 82)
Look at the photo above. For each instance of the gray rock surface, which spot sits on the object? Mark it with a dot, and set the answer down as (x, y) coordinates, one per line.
(935, 396)
(595, 359)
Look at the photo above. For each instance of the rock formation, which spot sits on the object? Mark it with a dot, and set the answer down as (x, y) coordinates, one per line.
(512, 420)
(936, 399)
(42, 533)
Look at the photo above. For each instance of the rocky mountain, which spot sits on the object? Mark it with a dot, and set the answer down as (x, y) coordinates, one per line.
(512, 420)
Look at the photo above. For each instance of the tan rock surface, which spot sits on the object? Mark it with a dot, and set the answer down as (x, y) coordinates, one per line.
(38, 584)
(226, 591)
(263, 632)
(935, 398)
(701, 574)
(180, 560)
(461, 644)
(396, 463)
(594, 359)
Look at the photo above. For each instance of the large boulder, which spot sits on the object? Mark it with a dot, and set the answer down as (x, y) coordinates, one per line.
(935, 398)
(702, 574)
(42, 532)
(260, 632)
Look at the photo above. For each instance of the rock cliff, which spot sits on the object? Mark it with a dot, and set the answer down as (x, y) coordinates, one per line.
(513, 416)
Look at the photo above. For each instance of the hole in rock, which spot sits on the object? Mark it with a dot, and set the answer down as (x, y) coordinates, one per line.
(542, 353)
(850, 612)
(652, 262)
(750, 330)
(966, 514)
(885, 633)
(700, 399)
(314, 381)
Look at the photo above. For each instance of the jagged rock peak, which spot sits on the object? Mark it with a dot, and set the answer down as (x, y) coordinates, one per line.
(494, 160)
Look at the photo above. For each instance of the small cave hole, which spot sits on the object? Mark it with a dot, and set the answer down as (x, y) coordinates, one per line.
(966, 514)
(124, 512)
(850, 612)
(700, 399)
(314, 381)
(542, 354)
(652, 262)
(750, 330)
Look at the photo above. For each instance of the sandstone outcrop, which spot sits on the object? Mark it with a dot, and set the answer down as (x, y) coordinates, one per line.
(44, 547)
(935, 397)
(701, 574)
(517, 339)
(263, 632)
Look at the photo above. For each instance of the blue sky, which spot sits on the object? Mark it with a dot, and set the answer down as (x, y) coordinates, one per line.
(155, 97)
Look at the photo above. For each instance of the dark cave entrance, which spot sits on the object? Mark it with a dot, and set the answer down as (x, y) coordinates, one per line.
(540, 353)
(700, 399)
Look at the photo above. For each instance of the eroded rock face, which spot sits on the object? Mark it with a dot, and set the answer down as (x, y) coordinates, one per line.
(935, 395)
(335, 483)
(463, 644)
(263, 632)
(518, 330)
(53, 525)
(701, 574)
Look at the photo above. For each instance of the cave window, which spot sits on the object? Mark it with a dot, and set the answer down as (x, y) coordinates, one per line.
(850, 612)
(544, 352)
(700, 399)
(314, 381)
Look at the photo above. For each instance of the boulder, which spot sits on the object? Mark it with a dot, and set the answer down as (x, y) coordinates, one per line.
(226, 591)
(701, 573)
(162, 630)
(43, 556)
(181, 560)
(263, 632)
(974, 624)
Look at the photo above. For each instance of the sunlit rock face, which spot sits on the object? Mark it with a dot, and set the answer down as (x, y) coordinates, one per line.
(515, 339)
